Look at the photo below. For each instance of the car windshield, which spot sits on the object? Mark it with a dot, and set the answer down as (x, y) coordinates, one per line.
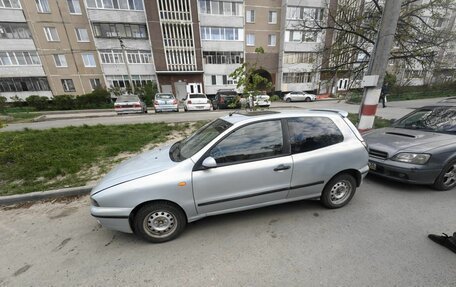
(184, 149)
(164, 97)
(434, 119)
(127, 99)
(197, 96)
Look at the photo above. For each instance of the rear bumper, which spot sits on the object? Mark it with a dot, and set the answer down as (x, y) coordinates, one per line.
(128, 110)
(198, 107)
(403, 172)
(113, 218)
(166, 108)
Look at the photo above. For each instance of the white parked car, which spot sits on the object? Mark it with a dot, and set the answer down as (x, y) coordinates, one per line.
(197, 102)
(262, 101)
(299, 97)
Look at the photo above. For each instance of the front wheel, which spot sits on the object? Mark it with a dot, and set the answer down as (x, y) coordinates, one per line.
(307, 99)
(338, 191)
(288, 100)
(159, 222)
(447, 177)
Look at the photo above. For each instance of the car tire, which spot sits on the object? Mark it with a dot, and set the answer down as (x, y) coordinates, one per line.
(159, 222)
(145, 111)
(177, 110)
(185, 110)
(308, 99)
(338, 191)
(447, 177)
(288, 100)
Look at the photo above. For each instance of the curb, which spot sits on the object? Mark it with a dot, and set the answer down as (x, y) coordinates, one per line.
(43, 195)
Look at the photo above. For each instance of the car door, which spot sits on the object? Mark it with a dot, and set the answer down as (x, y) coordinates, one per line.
(316, 145)
(253, 167)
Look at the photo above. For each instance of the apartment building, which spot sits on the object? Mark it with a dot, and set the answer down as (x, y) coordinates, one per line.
(121, 37)
(176, 45)
(65, 44)
(21, 71)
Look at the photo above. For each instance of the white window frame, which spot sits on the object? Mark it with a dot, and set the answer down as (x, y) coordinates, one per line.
(92, 83)
(76, 6)
(250, 39)
(42, 5)
(250, 16)
(13, 4)
(79, 35)
(272, 40)
(89, 60)
(61, 60)
(272, 17)
(66, 87)
(48, 33)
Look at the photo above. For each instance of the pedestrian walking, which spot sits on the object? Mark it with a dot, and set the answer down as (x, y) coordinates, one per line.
(383, 94)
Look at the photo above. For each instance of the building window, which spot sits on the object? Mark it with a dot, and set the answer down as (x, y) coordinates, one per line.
(342, 84)
(133, 57)
(221, 34)
(300, 36)
(82, 35)
(122, 81)
(24, 84)
(272, 17)
(305, 13)
(116, 4)
(89, 60)
(95, 83)
(214, 80)
(250, 16)
(74, 7)
(226, 8)
(299, 58)
(290, 78)
(42, 6)
(272, 40)
(10, 4)
(51, 34)
(68, 85)
(19, 58)
(210, 57)
(250, 40)
(60, 61)
(123, 30)
(14, 31)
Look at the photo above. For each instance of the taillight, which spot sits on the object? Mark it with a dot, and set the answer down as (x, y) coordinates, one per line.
(136, 105)
(174, 101)
(189, 102)
(156, 103)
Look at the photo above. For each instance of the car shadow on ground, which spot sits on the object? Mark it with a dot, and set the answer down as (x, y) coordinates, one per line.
(399, 186)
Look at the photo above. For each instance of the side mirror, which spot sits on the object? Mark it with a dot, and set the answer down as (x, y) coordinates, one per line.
(209, 162)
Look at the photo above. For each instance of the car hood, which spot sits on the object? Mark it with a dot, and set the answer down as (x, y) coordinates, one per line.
(147, 163)
(393, 140)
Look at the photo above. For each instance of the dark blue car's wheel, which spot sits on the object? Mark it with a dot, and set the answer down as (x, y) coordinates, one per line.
(447, 177)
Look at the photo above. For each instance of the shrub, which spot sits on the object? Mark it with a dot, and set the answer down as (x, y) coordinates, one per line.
(63, 102)
(17, 102)
(99, 98)
(274, 98)
(37, 102)
(2, 103)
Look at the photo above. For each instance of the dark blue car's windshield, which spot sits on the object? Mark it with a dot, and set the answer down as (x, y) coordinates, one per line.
(186, 148)
(434, 119)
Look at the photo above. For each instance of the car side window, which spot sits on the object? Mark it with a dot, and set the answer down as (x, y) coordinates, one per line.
(311, 133)
(253, 142)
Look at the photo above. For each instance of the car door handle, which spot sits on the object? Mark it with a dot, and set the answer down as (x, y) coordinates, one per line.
(282, 167)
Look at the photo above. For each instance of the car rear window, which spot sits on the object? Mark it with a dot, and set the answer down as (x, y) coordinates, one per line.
(127, 99)
(311, 133)
(164, 97)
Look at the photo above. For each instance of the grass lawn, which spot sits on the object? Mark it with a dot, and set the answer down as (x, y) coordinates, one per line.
(17, 115)
(36, 160)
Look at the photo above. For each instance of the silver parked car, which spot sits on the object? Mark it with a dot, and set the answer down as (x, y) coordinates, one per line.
(165, 102)
(237, 162)
(419, 148)
(299, 96)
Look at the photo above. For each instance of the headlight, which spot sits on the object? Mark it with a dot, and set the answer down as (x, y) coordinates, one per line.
(415, 158)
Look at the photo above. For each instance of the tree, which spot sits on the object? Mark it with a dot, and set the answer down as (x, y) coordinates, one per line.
(250, 79)
(352, 26)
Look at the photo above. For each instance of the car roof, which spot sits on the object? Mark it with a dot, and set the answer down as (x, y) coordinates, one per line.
(238, 117)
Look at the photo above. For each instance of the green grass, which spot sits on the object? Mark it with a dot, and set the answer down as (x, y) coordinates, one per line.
(17, 115)
(35, 160)
(378, 122)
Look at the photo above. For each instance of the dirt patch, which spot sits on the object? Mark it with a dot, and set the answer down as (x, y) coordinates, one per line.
(64, 213)
(62, 244)
(22, 270)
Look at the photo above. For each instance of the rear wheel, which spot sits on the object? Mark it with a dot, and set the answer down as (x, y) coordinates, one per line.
(307, 99)
(288, 100)
(338, 191)
(159, 222)
(447, 177)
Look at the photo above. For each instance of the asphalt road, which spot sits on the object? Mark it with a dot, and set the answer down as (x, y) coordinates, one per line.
(394, 110)
(379, 239)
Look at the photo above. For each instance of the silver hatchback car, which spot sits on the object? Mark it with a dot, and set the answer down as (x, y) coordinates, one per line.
(237, 162)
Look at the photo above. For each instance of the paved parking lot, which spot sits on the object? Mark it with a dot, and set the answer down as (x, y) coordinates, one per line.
(379, 239)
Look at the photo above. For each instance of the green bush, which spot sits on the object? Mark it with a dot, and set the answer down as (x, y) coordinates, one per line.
(147, 93)
(274, 98)
(2, 103)
(99, 98)
(63, 102)
(37, 102)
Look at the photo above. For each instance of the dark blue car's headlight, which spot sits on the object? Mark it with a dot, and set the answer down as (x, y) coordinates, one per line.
(415, 158)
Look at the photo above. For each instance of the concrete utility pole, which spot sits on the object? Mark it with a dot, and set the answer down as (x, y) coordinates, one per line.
(373, 80)
(124, 53)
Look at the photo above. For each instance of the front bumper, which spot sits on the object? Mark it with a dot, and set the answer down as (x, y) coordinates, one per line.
(113, 218)
(403, 172)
